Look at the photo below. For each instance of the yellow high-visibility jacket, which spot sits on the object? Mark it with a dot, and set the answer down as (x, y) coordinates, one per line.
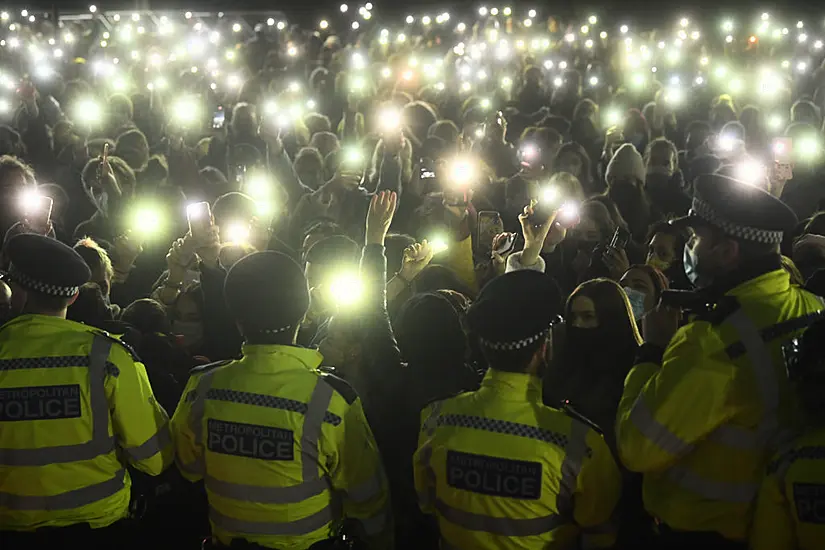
(501, 470)
(75, 408)
(278, 445)
(703, 425)
(790, 510)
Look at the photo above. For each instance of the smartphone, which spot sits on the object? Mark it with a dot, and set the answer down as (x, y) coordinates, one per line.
(104, 158)
(489, 225)
(426, 173)
(620, 238)
(37, 210)
(218, 119)
(456, 197)
(199, 216)
(782, 148)
(506, 245)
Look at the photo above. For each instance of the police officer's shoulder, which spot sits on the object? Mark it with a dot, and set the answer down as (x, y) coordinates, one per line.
(568, 409)
(341, 386)
(209, 367)
(718, 310)
(126, 347)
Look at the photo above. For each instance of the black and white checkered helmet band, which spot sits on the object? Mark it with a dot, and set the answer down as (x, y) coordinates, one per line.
(703, 210)
(38, 286)
(513, 346)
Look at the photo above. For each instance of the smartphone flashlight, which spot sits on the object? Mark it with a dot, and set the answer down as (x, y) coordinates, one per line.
(346, 290)
(389, 120)
(199, 216)
(237, 233)
(438, 244)
(37, 208)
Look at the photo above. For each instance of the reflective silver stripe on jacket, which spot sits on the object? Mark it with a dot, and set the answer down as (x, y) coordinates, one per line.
(736, 493)
(101, 442)
(316, 410)
(367, 490)
(64, 501)
(196, 422)
(303, 526)
(642, 418)
(507, 527)
(151, 446)
(266, 495)
(571, 466)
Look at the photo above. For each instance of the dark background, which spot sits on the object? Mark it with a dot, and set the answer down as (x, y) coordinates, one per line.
(646, 13)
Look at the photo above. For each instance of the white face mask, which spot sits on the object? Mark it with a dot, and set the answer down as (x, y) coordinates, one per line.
(637, 301)
(191, 331)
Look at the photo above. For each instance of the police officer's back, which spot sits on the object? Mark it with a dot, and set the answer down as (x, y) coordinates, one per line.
(75, 409)
(790, 510)
(271, 437)
(706, 406)
(497, 467)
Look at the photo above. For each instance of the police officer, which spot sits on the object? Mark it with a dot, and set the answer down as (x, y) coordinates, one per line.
(706, 405)
(76, 408)
(790, 510)
(273, 438)
(498, 468)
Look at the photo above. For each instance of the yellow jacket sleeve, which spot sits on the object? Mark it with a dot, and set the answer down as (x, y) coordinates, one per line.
(662, 415)
(140, 424)
(356, 471)
(598, 489)
(459, 258)
(188, 453)
(772, 526)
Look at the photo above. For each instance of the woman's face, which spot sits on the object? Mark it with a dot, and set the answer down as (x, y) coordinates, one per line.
(661, 252)
(583, 313)
(587, 230)
(637, 279)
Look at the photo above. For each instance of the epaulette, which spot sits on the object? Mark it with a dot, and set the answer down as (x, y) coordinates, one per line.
(132, 353)
(576, 415)
(200, 369)
(718, 311)
(340, 385)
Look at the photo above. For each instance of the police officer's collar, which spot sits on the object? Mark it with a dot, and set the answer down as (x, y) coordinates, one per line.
(310, 358)
(746, 272)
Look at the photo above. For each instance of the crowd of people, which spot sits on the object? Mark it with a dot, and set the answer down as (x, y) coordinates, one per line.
(462, 280)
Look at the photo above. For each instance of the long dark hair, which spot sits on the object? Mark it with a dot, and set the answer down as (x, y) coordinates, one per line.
(612, 310)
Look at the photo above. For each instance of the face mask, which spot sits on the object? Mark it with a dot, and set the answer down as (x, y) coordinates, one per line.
(691, 264)
(191, 331)
(637, 301)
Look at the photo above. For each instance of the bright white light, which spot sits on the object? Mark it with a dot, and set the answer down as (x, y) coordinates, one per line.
(592, 19)
(623, 29)
(802, 38)
(801, 67)
(281, 25)
(594, 81)
(324, 24)
(270, 22)
(93, 8)
(727, 26)
(135, 17)
(426, 20)
(461, 27)
(699, 81)
(569, 38)
(531, 13)
(482, 11)
(766, 16)
(410, 20)
(563, 65)
(558, 82)
(528, 22)
(344, 8)
(684, 22)
(799, 24)
(355, 25)
(818, 44)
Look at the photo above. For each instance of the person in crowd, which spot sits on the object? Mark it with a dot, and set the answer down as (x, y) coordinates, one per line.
(786, 513)
(665, 246)
(644, 285)
(503, 432)
(702, 468)
(66, 445)
(591, 378)
(303, 430)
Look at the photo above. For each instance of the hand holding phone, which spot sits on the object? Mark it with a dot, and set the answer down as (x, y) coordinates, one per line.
(489, 225)
(620, 238)
(37, 210)
(218, 119)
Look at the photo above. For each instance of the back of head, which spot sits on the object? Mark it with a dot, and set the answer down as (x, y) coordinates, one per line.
(429, 333)
(512, 317)
(90, 307)
(334, 250)
(233, 206)
(266, 293)
(147, 316)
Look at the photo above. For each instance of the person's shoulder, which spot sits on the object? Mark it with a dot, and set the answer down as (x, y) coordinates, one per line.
(209, 367)
(116, 344)
(580, 419)
(343, 388)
